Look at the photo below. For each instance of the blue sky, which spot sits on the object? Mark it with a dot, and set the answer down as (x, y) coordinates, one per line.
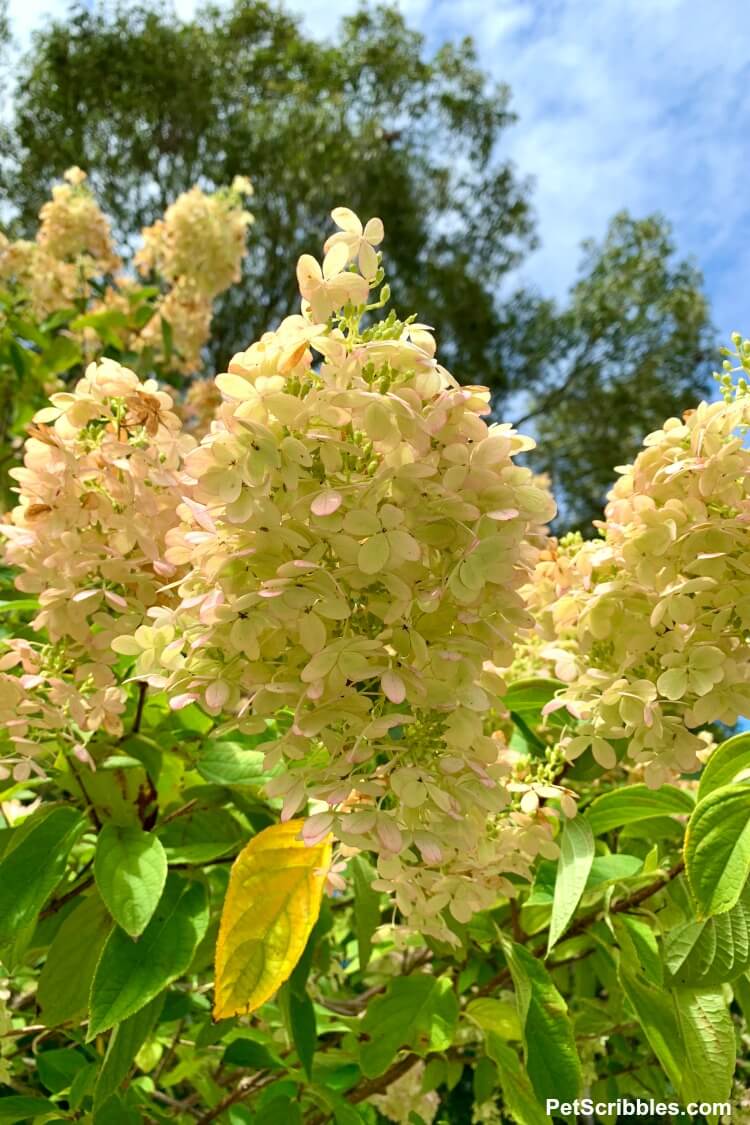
(622, 103)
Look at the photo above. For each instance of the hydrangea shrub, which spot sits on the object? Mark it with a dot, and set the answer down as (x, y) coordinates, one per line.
(333, 788)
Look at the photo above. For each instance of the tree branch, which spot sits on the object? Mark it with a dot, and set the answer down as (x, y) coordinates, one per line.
(634, 899)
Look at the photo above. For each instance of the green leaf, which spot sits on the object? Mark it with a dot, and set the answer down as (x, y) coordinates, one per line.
(654, 1009)
(62, 354)
(713, 951)
(639, 946)
(417, 1012)
(485, 1080)
(576, 857)
(124, 1044)
(366, 907)
(690, 1032)
(18, 605)
(729, 763)
(32, 867)
(612, 869)
(167, 338)
(552, 1060)
(115, 1112)
(301, 971)
(202, 836)
(251, 1054)
(83, 1084)
(499, 1016)
(65, 981)
(302, 1027)
(58, 1067)
(631, 803)
(529, 696)
(717, 849)
(283, 1107)
(741, 990)
(231, 763)
(710, 1048)
(130, 870)
(518, 1095)
(18, 1107)
(129, 973)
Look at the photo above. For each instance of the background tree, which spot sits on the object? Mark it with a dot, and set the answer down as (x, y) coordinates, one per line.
(373, 120)
(632, 346)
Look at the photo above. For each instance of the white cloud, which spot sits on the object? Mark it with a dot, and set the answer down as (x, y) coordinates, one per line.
(626, 104)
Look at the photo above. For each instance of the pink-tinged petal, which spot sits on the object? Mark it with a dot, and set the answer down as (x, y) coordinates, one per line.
(83, 756)
(553, 705)
(180, 701)
(503, 514)
(86, 595)
(326, 503)
(115, 600)
(345, 218)
(292, 801)
(217, 694)
(200, 512)
(163, 569)
(393, 687)
(389, 834)
(316, 828)
(429, 847)
(29, 682)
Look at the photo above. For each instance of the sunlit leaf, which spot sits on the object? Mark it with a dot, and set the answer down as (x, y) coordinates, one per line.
(630, 803)
(272, 903)
(717, 849)
(130, 870)
(418, 1012)
(576, 857)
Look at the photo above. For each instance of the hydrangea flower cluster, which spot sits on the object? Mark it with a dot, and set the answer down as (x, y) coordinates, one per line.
(553, 597)
(102, 476)
(198, 249)
(356, 537)
(194, 253)
(404, 1099)
(660, 607)
(73, 246)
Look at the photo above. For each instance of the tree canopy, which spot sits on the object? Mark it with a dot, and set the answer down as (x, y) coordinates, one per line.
(374, 120)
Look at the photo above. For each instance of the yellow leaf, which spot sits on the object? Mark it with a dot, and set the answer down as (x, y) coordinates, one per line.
(272, 904)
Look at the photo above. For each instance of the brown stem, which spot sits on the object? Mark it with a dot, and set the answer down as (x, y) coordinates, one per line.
(515, 921)
(182, 811)
(57, 903)
(635, 899)
(244, 1088)
(142, 689)
(169, 1053)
